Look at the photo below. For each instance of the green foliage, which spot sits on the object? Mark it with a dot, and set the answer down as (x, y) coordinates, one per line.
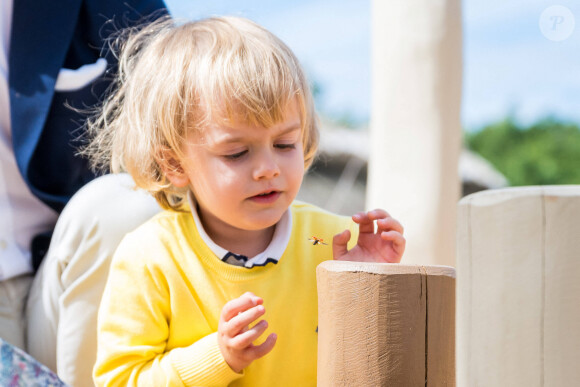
(547, 152)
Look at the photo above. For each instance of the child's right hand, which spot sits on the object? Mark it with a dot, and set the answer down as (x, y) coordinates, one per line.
(235, 338)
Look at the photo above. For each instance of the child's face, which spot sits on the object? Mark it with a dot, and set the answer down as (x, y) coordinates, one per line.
(244, 176)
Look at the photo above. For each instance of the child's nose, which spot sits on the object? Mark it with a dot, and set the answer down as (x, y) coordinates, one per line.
(266, 166)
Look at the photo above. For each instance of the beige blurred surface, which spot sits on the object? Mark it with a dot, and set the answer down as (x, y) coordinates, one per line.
(415, 122)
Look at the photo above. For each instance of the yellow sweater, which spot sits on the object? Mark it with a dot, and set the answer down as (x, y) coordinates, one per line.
(160, 310)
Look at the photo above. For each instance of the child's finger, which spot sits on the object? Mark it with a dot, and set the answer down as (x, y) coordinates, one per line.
(244, 302)
(246, 338)
(243, 319)
(397, 239)
(258, 351)
(366, 220)
(378, 213)
(340, 243)
(365, 223)
(388, 224)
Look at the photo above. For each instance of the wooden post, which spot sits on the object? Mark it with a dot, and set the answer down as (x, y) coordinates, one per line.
(518, 288)
(385, 324)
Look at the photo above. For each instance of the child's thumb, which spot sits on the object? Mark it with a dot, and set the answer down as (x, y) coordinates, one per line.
(339, 244)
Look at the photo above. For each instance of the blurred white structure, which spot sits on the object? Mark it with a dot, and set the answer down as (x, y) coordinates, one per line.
(337, 180)
(477, 173)
(415, 122)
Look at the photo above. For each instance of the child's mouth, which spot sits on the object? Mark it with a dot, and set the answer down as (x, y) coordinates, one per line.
(266, 197)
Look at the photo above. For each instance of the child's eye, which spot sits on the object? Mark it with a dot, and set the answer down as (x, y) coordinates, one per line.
(235, 156)
(285, 146)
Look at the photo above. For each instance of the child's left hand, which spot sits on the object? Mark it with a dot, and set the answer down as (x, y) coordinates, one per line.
(387, 244)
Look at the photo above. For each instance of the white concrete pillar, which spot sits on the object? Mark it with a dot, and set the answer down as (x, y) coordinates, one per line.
(415, 122)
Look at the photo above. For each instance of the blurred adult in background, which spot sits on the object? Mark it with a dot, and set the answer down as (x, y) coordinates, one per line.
(53, 56)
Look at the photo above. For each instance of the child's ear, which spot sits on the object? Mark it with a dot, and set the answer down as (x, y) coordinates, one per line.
(172, 168)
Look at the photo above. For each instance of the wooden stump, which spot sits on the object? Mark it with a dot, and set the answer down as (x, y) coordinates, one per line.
(385, 324)
(518, 288)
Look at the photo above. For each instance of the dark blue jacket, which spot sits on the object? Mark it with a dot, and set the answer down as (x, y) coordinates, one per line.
(48, 35)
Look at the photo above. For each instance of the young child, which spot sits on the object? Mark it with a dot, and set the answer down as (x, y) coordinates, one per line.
(216, 120)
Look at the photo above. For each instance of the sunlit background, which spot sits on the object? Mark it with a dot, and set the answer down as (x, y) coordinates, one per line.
(521, 77)
(330, 38)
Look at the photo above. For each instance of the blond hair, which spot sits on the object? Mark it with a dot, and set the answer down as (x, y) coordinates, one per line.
(177, 78)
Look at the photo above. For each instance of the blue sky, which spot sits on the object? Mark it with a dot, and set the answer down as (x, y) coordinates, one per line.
(510, 67)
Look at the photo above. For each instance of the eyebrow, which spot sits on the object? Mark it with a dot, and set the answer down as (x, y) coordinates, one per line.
(291, 128)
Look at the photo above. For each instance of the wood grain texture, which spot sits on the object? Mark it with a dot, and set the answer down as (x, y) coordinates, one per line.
(518, 306)
(440, 330)
(375, 322)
